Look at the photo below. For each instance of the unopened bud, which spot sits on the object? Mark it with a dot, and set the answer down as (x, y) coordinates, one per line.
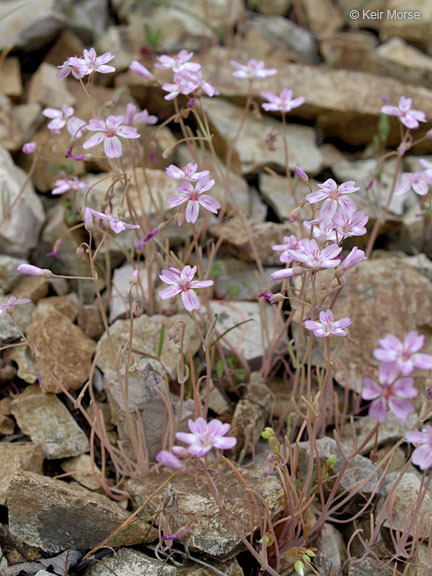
(29, 147)
(134, 278)
(277, 298)
(301, 174)
(174, 334)
(179, 218)
(88, 219)
(136, 308)
(331, 461)
(79, 252)
(294, 214)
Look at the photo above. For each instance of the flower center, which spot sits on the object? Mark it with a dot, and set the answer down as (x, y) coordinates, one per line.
(110, 133)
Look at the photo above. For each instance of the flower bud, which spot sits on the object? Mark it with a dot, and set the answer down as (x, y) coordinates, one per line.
(169, 460)
(134, 278)
(30, 270)
(79, 252)
(301, 174)
(88, 219)
(29, 147)
(179, 218)
(136, 309)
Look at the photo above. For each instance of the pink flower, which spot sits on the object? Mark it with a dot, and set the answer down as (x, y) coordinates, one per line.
(30, 270)
(76, 127)
(310, 253)
(390, 393)
(114, 223)
(301, 174)
(29, 147)
(186, 82)
(178, 63)
(65, 184)
(418, 181)
(140, 70)
(108, 132)
(290, 243)
(59, 117)
(8, 305)
(288, 273)
(192, 193)
(169, 460)
(181, 282)
(253, 69)
(410, 118)
(322, 231)
(282, 103)
(351, 260)
(68, 68)
(91, 62)
(327, 325)
(350, 224)
(205, 436)
(422, 455)
(143, 117)
(333, 196)
(404, 355)
(189, 172)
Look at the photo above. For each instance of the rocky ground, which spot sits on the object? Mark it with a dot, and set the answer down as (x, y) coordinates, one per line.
(53, 509)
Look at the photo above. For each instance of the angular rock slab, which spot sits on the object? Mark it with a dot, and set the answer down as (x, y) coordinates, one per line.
(20, 231)
(251, 153)
(355, 475)
(145, 387)
(22, 316)
(64, 352)
(146, 338)
(404, 516)
(49, 423)
(192, 505)
(128, 562)
(381, 296)
(14, 457)
(247, 339)
(9, 275)
(54, 516)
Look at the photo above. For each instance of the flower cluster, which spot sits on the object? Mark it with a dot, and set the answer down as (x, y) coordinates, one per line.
(187, 76)
(394, 389)
(202, 438)
(190, 190)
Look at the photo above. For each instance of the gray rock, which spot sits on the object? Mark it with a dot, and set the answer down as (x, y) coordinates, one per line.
(46, 90)
(414, 31)
(185, 503)
(237, 280)
(9, 275)
(398, 59)
(331, 553)
(29, 119)
(127, 562)
(22, 315)
(251, 152)
(145, 387)
(360, 477)
(146, 337)
(14, 457)
(32, 29)
(10, 136)
(367, 567)
(283, 34)
(246, 339)
(20, 230)
(48, 423)
(273, 7)
(277, 193)
(119, 301)
(55, 516)
(404, 495)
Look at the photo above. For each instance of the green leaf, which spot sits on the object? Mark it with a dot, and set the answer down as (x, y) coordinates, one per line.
(232, 290)
(161, 340)
(220, 368)
(383, 128)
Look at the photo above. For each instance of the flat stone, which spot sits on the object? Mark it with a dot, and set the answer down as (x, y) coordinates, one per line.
(373, 290)
(360, 476)
(247, 338)
(251, 152)
(49, 423)
(282, 34)
(237, 280)
(230, 568)
(146, 388)
(10, 77)
(403, 516)
(46, 90)
(68, 305)
(356, 102)
(81, 469)
(10, 136)
(20, 230)
(55, 516)
(7, 425)
(331, 553)
(14, 457)
(322, 16)
(350, 50)
(400, 60)
(58, 364)
(264, 235)
(22, 356)
(188, 504)
(128, 562)
(273, 7)
(22, 315)
(90, 321)
(146, 338)
(121, 286)
(414, 31)
(33, 287)
(9, 275)
(29, 119)
(277, 193)
(124, 42)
